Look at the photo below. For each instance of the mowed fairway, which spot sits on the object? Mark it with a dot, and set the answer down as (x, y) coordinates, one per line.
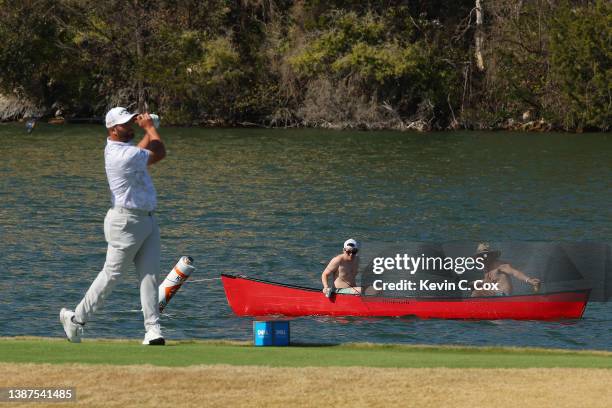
(195, 374)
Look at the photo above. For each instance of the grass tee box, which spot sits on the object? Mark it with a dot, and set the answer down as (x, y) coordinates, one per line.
(188, 353)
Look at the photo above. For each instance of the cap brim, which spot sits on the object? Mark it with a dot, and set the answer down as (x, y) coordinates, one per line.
(126, 119)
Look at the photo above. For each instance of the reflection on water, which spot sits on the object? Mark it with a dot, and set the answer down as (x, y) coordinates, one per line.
(275, 203)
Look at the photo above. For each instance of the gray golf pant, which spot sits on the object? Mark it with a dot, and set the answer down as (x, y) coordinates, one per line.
(133, 237)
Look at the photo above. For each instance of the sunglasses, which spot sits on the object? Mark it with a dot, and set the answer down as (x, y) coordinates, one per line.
(352, 252)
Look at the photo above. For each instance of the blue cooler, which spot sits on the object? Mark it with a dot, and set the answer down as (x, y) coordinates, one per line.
(262, 333)
(271, 333)
(281, 333)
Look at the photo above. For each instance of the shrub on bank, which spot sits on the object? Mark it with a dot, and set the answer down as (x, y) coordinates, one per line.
(388, 64)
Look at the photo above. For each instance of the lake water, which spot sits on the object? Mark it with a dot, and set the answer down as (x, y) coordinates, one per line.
(274, 204)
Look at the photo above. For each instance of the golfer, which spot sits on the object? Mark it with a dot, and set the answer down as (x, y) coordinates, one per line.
(130, 228)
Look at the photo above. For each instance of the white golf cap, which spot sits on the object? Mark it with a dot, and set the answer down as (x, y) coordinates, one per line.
(118, 116)
(351, 244)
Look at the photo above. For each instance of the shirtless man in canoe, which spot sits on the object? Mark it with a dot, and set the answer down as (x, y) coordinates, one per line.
(344, 268)
(499, 272)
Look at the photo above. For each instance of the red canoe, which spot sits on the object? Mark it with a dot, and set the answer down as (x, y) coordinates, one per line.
(255, 297)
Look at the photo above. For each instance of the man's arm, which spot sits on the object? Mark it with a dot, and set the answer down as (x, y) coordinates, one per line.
(331, 268)
(151, 140)
(145, 141)
(509, 270)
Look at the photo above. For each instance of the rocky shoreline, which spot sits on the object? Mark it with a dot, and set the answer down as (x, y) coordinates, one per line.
(13, 108)
(16, 109)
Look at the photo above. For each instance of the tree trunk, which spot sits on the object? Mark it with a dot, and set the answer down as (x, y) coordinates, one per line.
(479, 36)
(140, 91)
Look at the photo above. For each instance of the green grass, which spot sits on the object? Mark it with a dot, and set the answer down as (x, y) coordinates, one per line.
(124, 352)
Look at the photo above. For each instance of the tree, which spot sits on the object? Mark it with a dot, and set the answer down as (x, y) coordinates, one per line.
(581, 63)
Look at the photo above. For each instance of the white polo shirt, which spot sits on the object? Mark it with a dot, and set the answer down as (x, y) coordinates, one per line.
(129, 181)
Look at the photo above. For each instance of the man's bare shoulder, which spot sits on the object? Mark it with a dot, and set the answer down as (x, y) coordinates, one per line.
(333, 263)
(504, 266)
(336, 259)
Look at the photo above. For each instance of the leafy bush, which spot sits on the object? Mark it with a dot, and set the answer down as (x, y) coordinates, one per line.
(581, 64)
